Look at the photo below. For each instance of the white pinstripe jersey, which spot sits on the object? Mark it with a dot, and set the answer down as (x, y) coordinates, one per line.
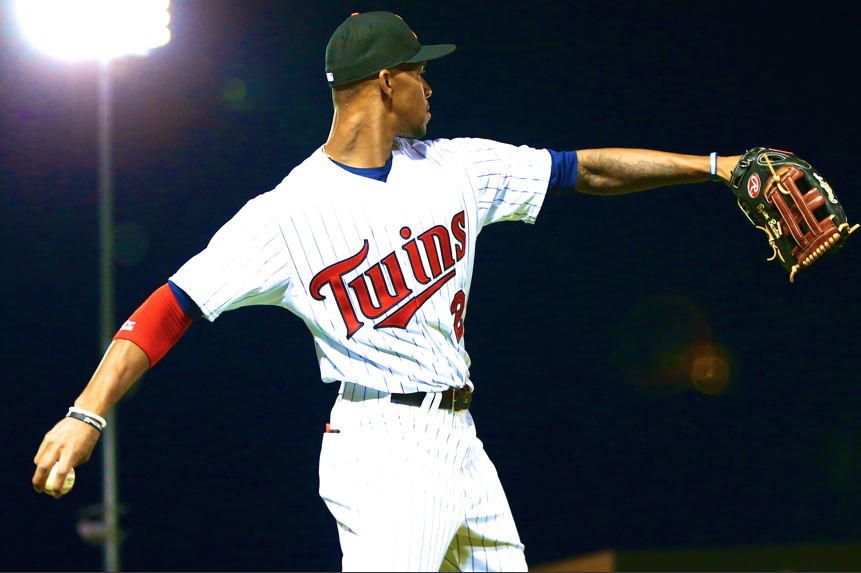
(379, 272)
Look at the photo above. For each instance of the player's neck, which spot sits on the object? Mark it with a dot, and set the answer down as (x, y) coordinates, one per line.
(360, 139)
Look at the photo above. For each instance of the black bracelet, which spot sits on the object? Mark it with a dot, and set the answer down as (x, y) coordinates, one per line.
(85, 420)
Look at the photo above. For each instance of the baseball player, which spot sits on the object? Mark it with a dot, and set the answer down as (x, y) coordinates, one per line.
(370, 241)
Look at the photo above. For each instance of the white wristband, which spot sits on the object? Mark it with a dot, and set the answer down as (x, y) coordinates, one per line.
(95, 417)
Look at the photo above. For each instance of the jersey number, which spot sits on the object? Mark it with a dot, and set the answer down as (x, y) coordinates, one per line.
(457, 305)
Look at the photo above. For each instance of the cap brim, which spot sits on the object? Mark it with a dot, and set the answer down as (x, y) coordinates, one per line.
(431, 53)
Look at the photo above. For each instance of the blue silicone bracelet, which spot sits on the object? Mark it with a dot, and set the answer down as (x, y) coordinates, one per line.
(713, 166)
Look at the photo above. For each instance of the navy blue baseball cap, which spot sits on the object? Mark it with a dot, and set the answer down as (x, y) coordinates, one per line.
(367, 43)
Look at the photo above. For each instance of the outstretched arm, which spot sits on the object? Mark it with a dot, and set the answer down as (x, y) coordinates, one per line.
(614, 171)
(142, 341)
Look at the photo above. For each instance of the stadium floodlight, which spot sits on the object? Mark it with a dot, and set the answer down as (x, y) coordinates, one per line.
(94, 29)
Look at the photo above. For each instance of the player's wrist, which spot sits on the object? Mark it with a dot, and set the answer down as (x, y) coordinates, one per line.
(76, 412)
(713, 165)
(92, 420)
(93, 407)
(725, 165)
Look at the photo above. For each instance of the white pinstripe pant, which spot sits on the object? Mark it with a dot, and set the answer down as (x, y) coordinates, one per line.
(413, 490)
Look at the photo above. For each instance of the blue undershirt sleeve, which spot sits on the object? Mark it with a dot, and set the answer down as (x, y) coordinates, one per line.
(563, 171)
(188, 306)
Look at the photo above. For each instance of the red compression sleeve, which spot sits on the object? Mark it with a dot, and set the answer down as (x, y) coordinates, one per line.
(156, 325)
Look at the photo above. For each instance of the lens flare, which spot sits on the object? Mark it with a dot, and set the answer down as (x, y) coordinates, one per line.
(708, 368)
(235, 90)
(665, 347)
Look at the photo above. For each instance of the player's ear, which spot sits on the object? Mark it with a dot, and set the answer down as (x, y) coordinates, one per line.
(385, 81)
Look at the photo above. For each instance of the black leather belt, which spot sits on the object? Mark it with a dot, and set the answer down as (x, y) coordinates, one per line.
(462, 399)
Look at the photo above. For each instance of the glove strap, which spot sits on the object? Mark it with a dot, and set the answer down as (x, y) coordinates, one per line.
(713, 166)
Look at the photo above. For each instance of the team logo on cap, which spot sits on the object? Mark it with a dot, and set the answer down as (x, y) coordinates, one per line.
(753, 186)
(330, 76)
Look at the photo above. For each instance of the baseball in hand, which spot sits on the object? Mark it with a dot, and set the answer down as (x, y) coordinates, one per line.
(67, 485)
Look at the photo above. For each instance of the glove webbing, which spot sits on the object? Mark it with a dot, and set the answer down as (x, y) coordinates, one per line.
(804, 206)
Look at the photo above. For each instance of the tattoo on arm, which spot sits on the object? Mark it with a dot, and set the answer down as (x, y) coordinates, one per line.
(616, 171)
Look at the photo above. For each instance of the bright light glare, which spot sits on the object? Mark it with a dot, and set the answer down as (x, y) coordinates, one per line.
(94, 29)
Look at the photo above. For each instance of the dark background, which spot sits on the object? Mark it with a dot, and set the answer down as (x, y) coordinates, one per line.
(575, 325)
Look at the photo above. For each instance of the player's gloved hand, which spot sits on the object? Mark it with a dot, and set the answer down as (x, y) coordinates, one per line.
(784, 196)
(70, 443)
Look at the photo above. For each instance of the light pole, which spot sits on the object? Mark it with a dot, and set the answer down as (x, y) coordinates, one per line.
(100, 30)
(111, 541)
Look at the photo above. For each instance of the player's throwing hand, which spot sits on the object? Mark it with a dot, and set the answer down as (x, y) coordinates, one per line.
(70, 443)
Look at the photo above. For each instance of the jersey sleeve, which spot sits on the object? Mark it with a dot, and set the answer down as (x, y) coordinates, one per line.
(244, 264)
(510, 181)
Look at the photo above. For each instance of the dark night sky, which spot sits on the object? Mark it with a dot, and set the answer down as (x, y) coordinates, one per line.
(569, 320)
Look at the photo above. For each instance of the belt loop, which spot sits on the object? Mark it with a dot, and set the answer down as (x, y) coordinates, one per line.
(453, 399)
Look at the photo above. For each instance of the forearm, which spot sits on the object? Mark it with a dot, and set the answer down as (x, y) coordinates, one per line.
(122, 365)
(614, 171)
(145, 338)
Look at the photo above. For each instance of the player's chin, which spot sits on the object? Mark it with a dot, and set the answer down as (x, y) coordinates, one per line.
(422, 128)
(415, 129)
(416, 132)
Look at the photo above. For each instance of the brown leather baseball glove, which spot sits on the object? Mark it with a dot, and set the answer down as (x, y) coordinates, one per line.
(788, 199)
